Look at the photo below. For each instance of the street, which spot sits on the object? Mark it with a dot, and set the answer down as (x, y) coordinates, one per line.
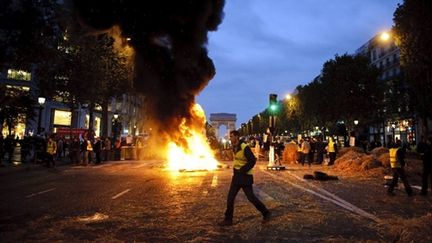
(141, 201)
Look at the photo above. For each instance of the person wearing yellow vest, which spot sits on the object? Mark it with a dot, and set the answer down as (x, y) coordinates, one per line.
(51, 149)
(244, 161)
(332, 151)
(397, 163)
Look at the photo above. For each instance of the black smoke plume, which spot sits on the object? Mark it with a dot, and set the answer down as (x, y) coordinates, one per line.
(169, 38)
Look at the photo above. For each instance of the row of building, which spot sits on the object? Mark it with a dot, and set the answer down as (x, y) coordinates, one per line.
(54, 116)
(402, 124)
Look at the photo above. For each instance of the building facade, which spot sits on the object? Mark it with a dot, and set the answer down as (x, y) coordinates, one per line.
(399, 119)
(55, 116)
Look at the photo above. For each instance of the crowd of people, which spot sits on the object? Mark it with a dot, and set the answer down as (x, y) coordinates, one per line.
(309, 149)
(81, 149)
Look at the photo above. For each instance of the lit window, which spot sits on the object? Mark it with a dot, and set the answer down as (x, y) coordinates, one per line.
(62, 118)
(18, 75)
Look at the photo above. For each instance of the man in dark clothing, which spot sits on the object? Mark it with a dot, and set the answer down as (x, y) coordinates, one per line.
(244, 161)
(397, 163)
(97, 149)
(9, 147)
(320, 150)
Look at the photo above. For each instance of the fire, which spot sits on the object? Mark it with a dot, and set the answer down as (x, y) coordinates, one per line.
(196, 153)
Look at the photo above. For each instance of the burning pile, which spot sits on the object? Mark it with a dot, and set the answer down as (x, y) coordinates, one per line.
(171, 63)
(195, 153)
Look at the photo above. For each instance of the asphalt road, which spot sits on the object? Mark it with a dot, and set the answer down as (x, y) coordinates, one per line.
(141, 201)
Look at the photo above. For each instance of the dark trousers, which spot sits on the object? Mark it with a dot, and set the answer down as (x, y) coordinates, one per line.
(332, 156)
(400, 172)
(98, 157)
(311, 157)
(426, 179)
(320, 157)
(50, 159)
(248, 190)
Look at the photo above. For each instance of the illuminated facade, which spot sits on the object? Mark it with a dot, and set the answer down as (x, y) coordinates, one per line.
(57, 116)
(399, 122)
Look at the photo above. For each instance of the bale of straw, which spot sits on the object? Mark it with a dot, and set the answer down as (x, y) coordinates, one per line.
(290, 153)
(379, 151)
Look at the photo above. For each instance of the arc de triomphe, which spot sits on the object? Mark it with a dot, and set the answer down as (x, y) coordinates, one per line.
(219, 119)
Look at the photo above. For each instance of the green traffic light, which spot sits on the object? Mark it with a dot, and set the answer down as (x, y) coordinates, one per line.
(273, 107)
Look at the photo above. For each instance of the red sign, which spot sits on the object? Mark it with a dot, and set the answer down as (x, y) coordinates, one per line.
(74, 131)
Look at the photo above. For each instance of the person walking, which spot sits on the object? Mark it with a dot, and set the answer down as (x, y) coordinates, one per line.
(320, 150)
(305, 149)
(107, 148)
(332, 151)
(397, 163)
(74, 151)
(97, 149)
(51, 150)
(244, 161)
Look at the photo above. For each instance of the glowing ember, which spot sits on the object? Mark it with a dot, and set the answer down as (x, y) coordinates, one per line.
(196, 153)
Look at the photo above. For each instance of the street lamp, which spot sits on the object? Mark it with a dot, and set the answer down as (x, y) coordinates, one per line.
(115, 126)
(385, 36)
(41, 101)
(393, 130)
(356, 122)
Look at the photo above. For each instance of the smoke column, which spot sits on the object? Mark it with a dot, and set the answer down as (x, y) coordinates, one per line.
(169, 38)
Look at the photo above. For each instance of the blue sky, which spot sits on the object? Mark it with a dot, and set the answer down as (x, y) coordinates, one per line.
(272, 46)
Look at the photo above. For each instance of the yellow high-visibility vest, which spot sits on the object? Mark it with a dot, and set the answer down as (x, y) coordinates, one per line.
(331, 147)
(240, 159)
(394, 163)
(51, 147)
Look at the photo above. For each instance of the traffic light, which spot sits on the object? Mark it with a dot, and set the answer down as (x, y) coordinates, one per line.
(273, 106)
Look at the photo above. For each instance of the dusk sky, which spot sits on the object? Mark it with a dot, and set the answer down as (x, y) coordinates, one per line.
(272, 46)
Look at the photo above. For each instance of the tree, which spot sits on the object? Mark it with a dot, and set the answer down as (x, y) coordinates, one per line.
(15, 106)
(349, 89)
(28, 33)
(413, 32)
(98, 72)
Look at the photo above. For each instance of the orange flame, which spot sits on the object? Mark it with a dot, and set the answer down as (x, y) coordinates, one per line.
(196, 154)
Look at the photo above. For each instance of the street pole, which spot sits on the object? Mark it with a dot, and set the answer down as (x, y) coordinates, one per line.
(39, 120)
(41, 101)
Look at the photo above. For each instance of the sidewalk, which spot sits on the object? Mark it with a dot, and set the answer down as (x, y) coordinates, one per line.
(17, 166)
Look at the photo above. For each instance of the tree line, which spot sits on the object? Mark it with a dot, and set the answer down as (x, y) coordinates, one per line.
(69, 63)
(349, 87)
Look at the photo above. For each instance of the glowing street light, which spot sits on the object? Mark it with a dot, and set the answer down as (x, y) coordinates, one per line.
(385, 36)
(288, 97)
(41, 101)
(356, 122)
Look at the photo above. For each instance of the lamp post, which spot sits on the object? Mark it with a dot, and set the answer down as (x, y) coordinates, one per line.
(355, 142)
(393, 130)
(115, 125)
(41, 101)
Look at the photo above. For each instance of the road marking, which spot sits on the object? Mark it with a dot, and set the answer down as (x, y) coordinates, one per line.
(214, 181)
(41, 192)
(330, 197)
(120, 194)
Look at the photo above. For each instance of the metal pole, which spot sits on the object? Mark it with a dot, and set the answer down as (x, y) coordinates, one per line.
(39, 120)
